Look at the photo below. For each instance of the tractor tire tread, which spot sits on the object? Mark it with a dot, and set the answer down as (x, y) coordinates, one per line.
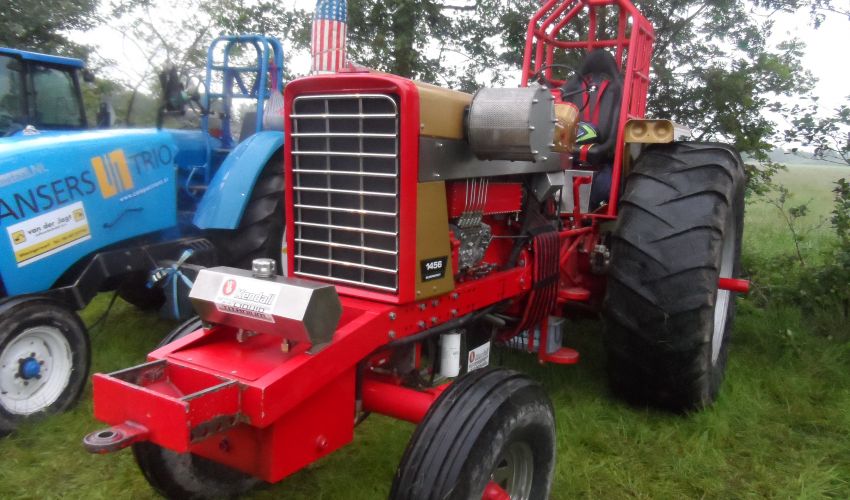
(662, 283)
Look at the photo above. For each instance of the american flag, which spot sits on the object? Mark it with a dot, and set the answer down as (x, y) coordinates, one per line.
(329, 24)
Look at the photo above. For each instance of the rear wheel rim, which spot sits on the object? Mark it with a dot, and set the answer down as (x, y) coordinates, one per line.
(724, 297)
(514, 471)
(35, 368)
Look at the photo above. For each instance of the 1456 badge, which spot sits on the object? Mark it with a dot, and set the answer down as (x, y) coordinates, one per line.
(433, 269)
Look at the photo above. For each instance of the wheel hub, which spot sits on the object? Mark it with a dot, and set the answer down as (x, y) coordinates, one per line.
(35, 368)
(514, 472)
(30, 368)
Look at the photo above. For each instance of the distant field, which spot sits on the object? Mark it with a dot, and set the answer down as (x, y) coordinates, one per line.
(780, 429)
(766, 233)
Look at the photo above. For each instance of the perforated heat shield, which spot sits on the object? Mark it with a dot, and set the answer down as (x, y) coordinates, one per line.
(512, 124)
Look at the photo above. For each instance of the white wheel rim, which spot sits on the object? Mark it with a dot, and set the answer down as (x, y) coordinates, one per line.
(721, 303)
(514, 470)
(35, 368)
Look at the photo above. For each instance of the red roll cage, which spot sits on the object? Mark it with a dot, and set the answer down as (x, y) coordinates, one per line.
(633, 50)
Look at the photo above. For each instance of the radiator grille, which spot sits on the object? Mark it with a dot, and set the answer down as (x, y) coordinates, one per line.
(345, 174)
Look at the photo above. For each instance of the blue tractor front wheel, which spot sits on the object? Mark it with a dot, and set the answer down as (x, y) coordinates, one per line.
(44, 360)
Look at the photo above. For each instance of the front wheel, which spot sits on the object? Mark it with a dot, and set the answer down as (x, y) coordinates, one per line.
(187, 476)
(184, 475)
(679, 230)
(44, 360)
(490, 434)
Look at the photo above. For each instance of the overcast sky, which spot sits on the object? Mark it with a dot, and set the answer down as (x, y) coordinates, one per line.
(825, 56)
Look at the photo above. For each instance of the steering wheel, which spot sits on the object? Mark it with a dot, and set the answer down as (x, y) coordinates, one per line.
(540, 75)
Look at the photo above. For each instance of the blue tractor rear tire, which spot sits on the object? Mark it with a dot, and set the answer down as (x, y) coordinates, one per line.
(260, 231)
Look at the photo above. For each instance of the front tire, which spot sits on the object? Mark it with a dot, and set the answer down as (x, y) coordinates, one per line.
(44, 361)
(679, 230)
(184, 475)
(490, 426)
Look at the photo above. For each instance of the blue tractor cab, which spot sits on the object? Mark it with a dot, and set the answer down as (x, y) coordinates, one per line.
(138, 211)
(40, 90)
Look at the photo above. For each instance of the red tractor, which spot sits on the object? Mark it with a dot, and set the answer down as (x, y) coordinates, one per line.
(425, 225)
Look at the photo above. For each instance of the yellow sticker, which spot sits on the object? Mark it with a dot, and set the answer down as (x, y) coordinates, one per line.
(49, 233)
(113, 174)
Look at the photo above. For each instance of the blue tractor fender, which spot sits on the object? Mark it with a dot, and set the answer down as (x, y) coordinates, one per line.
(228, 193)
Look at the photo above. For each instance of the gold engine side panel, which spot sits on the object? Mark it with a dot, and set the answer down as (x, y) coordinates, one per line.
(434, 273)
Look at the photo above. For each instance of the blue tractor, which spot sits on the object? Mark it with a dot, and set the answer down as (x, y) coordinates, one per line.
(132, 210)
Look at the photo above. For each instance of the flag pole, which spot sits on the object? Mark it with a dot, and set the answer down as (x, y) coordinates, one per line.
(330, 23)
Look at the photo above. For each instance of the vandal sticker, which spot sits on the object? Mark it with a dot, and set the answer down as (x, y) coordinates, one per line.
(247, 297)
(479, 357)
(49, 233)
(113, 174)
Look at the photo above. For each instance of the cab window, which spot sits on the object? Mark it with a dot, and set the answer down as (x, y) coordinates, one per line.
(54, 101)
(11, 94)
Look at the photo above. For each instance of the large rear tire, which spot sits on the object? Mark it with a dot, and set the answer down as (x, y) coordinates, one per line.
(679, 230)
(490, 425)
(44, 360)
(260, 231)
(184, 475)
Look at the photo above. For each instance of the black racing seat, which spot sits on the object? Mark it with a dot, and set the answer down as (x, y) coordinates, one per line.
(599, 109)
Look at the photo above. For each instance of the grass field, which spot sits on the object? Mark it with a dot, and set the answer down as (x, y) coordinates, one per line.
(781, 427)
(766, 234)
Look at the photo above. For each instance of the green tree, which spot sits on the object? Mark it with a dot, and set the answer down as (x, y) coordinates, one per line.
(42, 25)
(182, 41)
(421, 39)
(290, 26)
(827, 133)
(714, 71)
